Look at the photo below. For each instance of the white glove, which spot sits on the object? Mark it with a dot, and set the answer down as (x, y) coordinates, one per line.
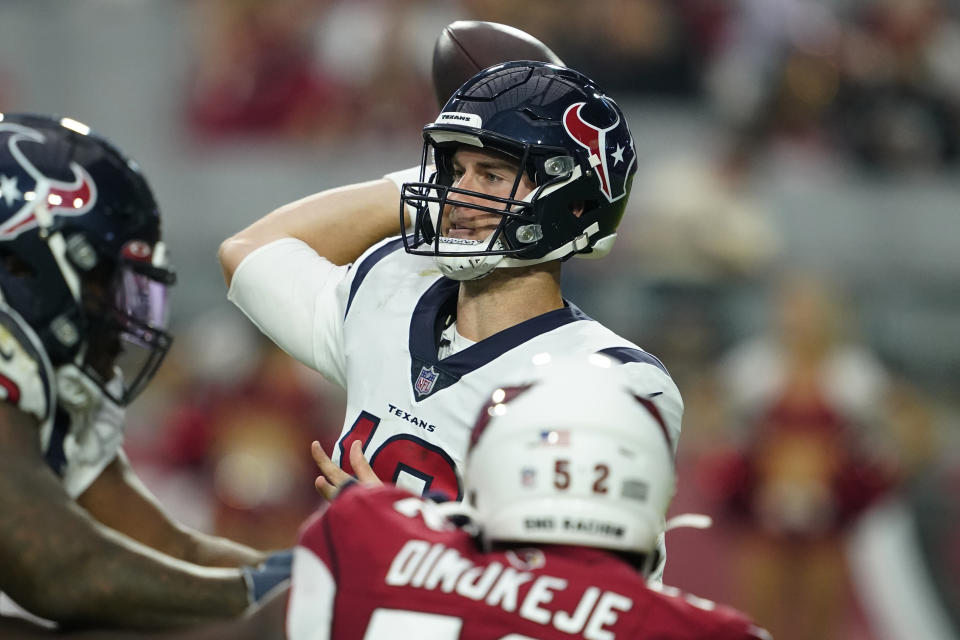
(96, 421)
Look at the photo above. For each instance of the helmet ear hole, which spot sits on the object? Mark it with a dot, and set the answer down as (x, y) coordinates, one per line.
(577, 208)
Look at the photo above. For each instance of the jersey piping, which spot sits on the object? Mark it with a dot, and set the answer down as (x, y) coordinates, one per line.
(423, 347)
(627, 354)
(368, 263)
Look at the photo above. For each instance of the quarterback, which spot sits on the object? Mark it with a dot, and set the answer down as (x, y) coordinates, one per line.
(527, 165)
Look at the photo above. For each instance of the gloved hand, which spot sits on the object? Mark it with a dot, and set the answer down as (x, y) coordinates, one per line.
(268, 575)
(96, 422)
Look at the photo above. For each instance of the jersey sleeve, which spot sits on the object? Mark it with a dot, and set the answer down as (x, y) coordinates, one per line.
(647, 377)
(297, 298)
(666, 396)
(673, 613)
(399, 178)
(334, 546)
(26, 378)
(652, 381)
(313, 587)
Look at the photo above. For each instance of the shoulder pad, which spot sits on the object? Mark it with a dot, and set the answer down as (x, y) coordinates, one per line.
(25, 371)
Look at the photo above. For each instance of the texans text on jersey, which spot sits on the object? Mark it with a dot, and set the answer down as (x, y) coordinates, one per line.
(412, 419)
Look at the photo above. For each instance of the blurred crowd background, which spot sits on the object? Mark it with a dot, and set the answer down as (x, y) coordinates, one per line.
(790, 252)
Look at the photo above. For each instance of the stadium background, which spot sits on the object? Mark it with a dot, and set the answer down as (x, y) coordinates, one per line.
(798, 167)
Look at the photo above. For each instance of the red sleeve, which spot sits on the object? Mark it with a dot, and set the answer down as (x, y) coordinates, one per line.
(673, 614)
(315, 535)
(327, 538)
(348, 520)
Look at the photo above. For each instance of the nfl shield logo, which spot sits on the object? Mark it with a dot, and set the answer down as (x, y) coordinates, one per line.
(528, 477)
(426, 380)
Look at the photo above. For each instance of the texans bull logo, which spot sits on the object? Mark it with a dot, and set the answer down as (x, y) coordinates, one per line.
(611, 159)
(27, 186)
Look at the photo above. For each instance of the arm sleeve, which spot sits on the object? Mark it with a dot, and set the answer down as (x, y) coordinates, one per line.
(296, 298)
(407, 175)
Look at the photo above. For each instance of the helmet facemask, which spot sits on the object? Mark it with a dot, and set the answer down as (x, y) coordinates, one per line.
(514, 240)
(126, 318)
(563, 132)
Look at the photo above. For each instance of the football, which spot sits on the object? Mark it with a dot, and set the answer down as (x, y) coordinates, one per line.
(466, 47)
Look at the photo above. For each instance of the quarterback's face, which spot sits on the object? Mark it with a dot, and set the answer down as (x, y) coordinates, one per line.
(488, 173)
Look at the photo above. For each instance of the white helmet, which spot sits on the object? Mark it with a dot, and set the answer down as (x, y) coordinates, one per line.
(572, 456)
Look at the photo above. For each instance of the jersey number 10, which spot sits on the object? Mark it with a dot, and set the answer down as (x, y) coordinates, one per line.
(403, 459)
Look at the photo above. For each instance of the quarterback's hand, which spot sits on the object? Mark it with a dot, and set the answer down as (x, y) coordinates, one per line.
(332, 477)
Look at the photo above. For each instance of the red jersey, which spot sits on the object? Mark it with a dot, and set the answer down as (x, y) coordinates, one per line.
(381, 563)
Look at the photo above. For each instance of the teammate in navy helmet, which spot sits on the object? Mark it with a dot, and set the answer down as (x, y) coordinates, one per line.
(83, 294)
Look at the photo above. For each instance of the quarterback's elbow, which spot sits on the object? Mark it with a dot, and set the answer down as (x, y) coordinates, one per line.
(231, 253)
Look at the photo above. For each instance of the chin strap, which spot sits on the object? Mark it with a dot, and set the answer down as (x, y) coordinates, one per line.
(476, 267)
(574, 247)
(63, 328)
(58, 246)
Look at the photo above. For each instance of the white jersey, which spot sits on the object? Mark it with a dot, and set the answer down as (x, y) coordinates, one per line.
(374, 327)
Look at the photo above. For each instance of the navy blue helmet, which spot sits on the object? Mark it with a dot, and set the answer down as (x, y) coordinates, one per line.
(565, 134)
(81, 259)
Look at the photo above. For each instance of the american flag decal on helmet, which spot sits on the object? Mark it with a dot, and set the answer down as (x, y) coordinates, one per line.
(555, 438)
